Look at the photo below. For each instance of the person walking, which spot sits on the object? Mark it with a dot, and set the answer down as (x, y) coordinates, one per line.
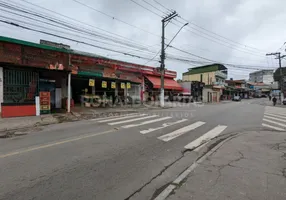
(274, 100)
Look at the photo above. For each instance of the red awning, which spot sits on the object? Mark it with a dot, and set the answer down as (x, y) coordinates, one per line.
(168, 83)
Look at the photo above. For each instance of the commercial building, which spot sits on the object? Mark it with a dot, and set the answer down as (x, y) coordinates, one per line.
(212, 77)
(262, 76)
(37, 78)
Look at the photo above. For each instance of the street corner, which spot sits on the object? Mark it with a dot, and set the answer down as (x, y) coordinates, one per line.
(237, 162)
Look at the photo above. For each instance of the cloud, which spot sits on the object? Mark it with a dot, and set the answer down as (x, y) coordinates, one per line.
(255, 23)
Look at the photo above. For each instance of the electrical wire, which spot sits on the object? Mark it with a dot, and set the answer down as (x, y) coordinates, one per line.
(81, 22)
(146, 8)
(114, 18)
(70, 39)
(154, 7)
(70, 26)
(221, 42)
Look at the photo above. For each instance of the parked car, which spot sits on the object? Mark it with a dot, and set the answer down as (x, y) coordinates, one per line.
(236, 98)
(184, 97)
(284, 101)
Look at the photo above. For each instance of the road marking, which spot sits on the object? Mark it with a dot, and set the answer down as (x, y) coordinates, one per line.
(119, 118)
(273, 122)
(266, 114)
(163, 126)
(53, 144)
(146, 122)
(132, 120)
(206, 137)
(273, 127)
(163, 195)
(114, 116)
(275, 118)
(283, 115)
(181, 131)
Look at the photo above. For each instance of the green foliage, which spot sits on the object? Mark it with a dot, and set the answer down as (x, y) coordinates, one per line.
(276, 74)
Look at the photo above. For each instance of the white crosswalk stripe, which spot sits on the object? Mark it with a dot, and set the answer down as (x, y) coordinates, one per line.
(133, 120)
(146, 122)
(274, 122)
(279, 114)
(181, 131)
(206, 137)
(123, 117)
(114, 116)
(273, 116)
(165, 125)
(273, 127)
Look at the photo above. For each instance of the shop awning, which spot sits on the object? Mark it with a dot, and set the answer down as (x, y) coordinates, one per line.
(168, 83)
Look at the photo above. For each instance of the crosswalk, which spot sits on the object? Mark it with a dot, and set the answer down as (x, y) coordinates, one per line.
(274, 118)
(170, 127)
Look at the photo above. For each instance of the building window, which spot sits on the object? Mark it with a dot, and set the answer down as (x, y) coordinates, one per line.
(20, 85)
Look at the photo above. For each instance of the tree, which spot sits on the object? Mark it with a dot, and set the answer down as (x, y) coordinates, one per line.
(276, 74)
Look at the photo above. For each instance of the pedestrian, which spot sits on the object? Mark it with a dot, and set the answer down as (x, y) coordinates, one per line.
(274, 100)
(269, 97)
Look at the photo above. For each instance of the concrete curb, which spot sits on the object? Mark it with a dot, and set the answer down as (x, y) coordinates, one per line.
(180, 179)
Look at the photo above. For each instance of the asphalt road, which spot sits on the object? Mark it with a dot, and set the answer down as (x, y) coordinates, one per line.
(111, 158)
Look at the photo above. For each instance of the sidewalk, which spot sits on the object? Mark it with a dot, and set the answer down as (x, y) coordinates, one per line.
(250, 166)
(21, 125)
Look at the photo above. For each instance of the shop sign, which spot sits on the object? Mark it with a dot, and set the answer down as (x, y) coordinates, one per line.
(122, 85)
(128, 85)
(104, 84)
(87, 73)
(113, 85)
(91, 82)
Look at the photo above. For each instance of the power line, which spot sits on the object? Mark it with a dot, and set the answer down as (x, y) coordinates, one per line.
(63, 23)
(221, 42)
(154, 7)
(221, 36)
(70, 39)
(230, 64)
(114, 18)
(81, 22)
(163, 6)
(146, 8)
(67, 33)
(210, 38)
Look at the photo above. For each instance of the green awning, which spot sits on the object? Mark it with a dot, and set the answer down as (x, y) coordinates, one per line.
(89, 73)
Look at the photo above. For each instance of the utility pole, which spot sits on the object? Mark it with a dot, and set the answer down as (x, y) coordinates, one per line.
(162, 66)
(279, 57)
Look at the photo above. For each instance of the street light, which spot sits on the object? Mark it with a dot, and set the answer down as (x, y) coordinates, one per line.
(166, 19)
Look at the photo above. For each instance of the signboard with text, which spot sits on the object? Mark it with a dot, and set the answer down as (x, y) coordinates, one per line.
(104, 84)
(91, 82)
(113, 85)
(128, 85)
(122, 85)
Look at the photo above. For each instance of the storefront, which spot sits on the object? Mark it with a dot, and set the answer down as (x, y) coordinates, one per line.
(153, 85)
(39, 79)
(27, 70)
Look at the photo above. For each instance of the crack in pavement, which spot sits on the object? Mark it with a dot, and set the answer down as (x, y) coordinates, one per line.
(154, 177)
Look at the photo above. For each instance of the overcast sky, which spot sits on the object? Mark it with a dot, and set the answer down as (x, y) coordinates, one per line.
(236, 32)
